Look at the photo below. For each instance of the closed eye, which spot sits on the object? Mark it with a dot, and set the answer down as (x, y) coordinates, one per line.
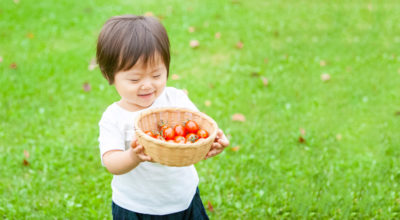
(156, 76)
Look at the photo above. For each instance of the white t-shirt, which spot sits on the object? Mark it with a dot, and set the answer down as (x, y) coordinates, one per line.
(150, 188)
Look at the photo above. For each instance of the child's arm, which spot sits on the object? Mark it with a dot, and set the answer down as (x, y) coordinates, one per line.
(219, 144)
(120, 162)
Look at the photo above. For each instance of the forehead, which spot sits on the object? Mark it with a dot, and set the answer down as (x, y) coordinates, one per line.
(152, 63)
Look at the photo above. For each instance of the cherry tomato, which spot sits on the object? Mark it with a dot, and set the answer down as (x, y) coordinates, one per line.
(162, 128)
(202, 133)
(151, 134)
(180, 130)
(191, 126)
(180, 139)
(168, 133)
(191, 138)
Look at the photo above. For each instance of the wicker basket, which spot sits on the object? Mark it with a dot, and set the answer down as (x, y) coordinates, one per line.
(174, 154)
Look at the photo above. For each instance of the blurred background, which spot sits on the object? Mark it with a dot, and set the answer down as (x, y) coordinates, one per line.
(307, 91)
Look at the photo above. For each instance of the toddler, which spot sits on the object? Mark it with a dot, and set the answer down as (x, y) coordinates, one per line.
(133, 55)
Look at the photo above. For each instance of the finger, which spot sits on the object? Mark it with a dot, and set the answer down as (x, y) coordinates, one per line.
(223, 142)
(138, 149)
(215, 145)
(211, 153)
(220, 133)
(218, 146)
(145, 157)
(134, 143)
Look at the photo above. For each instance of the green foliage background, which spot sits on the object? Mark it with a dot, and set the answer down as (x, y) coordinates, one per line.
(348, 166)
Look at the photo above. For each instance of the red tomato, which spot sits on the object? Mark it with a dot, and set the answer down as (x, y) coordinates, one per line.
(180, 139)
(191, 138)
(191, 127)
(180, 130)
(168, 133)
(202, 133)
(162, 128)
(151, 134)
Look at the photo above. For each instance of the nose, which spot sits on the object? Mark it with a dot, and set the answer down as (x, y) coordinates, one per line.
(146, 85)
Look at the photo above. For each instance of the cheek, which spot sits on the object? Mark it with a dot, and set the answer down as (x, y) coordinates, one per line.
(126, 88)
(161, 83)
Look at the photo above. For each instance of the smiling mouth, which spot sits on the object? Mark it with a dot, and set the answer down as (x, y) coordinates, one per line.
(146, 95)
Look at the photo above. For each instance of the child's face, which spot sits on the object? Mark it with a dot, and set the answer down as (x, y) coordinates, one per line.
(141, 85)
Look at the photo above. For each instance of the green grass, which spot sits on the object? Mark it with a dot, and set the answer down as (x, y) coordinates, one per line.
(348, 167)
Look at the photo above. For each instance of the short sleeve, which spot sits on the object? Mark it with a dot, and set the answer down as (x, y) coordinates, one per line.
(110, 136)
(183, 101)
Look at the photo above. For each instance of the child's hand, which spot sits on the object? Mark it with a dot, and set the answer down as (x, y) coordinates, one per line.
(219, 144)
(138, 150)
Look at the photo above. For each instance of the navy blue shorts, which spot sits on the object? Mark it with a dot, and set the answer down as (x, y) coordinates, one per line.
(195, 211)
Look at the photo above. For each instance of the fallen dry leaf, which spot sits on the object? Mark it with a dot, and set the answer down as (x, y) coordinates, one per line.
(325, 77)
(161, 17)
(13, 65)
(266, 60)
(207, 103)
(301, 139)
(209, 206)
(92, 64)
(86, 87)
(239, 45)
(235, 148)
(302, 131)
(26, 154)
(339, 137)
(30, 35)
(194, 43)
(322, 63)
(191, 29)
(264, 81)
(397, 113)
(255, 74)
(238, 117)
(16, 1)
(25, 162)
(175, 77)
(218, 35)
(1, 59)
(148, 14)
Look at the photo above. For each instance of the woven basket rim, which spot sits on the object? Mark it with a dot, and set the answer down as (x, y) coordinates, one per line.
(197, 144)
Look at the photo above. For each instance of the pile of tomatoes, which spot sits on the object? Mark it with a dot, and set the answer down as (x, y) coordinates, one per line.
(189, 132)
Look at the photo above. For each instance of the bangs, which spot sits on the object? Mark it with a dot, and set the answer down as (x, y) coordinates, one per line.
(132, 51)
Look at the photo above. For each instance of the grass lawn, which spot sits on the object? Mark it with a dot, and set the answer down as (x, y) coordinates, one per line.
(308, 148)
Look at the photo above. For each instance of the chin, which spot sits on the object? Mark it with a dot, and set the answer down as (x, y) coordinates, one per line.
(146, 105)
